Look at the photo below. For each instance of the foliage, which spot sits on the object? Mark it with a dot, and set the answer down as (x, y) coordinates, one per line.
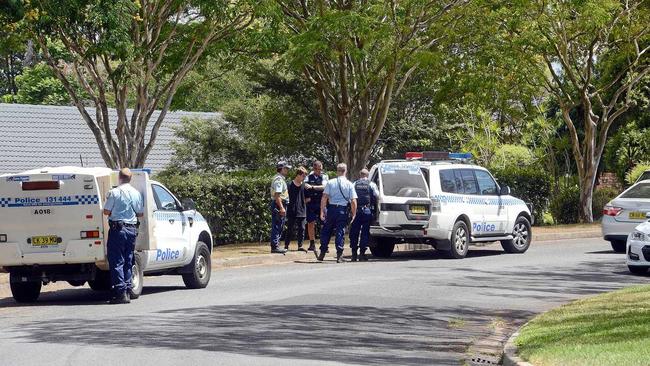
(512, 155)
(634, 173)
(565, 206)
(601, 197)
(626, 149)
(39, 85)
(236, 207)
(529, 184)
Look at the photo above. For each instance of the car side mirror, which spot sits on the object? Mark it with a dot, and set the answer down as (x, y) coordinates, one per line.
(504, 191)
(188, 204)
(647, 215)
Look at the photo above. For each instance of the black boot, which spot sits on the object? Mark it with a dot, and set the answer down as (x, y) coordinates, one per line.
(301, 249)
(286, 247)
(312, 246)
(121, 298)
(362, 256)
(354, 254)
(321, 256)
(339, 257)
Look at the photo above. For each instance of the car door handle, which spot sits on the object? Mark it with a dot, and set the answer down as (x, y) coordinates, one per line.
(191, 221)
(171, 221)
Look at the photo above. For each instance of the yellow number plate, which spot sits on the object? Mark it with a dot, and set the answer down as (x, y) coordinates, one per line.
(45, 240)
(419, 210)
(637, 215)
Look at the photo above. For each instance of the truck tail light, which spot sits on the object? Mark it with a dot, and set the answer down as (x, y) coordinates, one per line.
(90, 234)
(41, 186)
(612, 210)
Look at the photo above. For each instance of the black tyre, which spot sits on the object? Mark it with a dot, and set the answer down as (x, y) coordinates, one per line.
(459, 240)
(522, 235)
(102, 281)
(638, 270)
(24, 291)
(381, 247)
(201, 268)
(137, 277)
(77, 283)
(619, 246)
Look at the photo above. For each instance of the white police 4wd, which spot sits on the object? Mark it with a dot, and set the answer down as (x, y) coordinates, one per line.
(52, 229)
(462, 205)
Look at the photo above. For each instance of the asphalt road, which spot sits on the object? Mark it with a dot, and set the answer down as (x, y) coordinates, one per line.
(415, 309)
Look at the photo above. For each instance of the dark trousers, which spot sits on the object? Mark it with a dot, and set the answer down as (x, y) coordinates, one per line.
(291, 223)
(277, 223)
(360, 227)
(121, 244)
(337, 218)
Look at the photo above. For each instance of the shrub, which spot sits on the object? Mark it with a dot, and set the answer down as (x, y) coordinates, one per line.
(529, 184)
(634, 173)
(565, 207)
(236, 207)
(601, 197)
(509, 155)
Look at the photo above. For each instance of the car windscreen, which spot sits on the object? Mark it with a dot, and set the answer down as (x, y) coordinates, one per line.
(641, 190)
(403, 181)
(644, 176)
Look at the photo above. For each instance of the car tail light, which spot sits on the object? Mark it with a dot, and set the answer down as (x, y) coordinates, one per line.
(435, 205)
(90, 234)
(41, 186)
(612, 210)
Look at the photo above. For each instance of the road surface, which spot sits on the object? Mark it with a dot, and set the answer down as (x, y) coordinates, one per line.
(414, 309)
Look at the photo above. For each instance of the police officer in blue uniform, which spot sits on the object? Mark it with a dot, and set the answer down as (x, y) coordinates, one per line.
(124, 205)
(367, 193)
(337, 195)
(279, 202)
(314, 187)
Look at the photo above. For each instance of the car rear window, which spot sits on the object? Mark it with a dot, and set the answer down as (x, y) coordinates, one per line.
(641, 190)
(403, 181)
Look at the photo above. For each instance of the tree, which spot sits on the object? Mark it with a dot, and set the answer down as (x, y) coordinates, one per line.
(357, 56)
(130, 54)
(589, 56)
(12, 46)
(39, 85)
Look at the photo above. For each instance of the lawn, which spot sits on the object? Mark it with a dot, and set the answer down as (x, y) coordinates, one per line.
(608, 329)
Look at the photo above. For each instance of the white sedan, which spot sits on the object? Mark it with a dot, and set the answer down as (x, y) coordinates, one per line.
(622, 214)
(638, 253)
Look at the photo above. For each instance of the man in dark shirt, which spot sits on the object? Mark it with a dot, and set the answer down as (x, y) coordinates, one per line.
(296, 210)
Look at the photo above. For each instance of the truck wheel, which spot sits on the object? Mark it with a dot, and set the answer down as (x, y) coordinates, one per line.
(619, 246)
(24, 291)
(638, 270)
(381, 247)
(137, 277)
(201, 268)
(459, 240)
(522, 235)
(77, 283)
(102, 281)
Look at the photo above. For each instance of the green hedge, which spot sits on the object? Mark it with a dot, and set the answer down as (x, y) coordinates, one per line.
(565, 207)
(236, 206)
(531, 185)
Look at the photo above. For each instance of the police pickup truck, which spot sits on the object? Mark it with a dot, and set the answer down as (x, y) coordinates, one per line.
(438, 198)
(52, 229)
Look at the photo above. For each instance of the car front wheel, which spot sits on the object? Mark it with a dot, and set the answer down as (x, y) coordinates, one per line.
(638, 270)
(200, 268)
(618, 246)
(521, 236)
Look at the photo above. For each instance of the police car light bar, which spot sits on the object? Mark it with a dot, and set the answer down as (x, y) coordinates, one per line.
(437, 155)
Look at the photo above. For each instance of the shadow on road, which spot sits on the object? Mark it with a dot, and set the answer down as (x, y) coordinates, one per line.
(411, 335)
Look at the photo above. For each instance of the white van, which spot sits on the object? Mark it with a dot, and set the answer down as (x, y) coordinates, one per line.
(52, 229)
(438, 198)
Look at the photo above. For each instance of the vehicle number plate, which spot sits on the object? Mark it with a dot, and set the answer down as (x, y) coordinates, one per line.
(637, 215)
(45, 240)
(419, 210)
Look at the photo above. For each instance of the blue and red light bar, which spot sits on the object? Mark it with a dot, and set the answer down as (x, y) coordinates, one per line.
(437, 155)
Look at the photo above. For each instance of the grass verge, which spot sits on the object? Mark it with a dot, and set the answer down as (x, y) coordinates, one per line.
(608, 329)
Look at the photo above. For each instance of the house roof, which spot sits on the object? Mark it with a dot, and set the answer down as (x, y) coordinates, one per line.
(34, 136)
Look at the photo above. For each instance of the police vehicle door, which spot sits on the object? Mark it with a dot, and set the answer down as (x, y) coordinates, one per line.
(494, 214)
(472, 201)
(403, 193)
(172, 230)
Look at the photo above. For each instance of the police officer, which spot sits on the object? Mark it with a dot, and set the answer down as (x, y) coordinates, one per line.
(279, 202)
(314, 186)
(124, 205)
(367, 193)
(337, 195)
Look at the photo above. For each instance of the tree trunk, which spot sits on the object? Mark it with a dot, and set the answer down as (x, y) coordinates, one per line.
(586, 196)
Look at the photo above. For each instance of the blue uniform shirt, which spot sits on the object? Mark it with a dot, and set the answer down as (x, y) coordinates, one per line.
(124, 202)
(340, 197)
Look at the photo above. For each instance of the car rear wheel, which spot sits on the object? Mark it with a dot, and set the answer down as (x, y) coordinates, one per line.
(102, 281)
(77, 283)
(201, 268)
(381, 247)
(137, 278)
(24, 291)
(638, 270)
(618, 246)
(459, 240)
(521, 237)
